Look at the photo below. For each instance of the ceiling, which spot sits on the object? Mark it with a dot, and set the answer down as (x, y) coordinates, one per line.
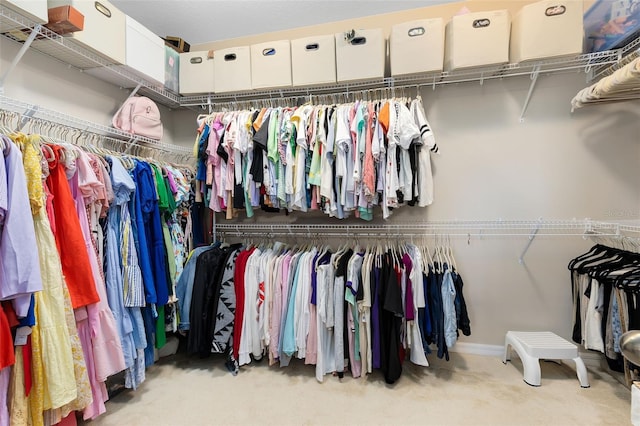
(201, 21)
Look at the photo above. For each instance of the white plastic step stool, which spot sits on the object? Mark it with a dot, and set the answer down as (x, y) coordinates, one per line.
(531, 346)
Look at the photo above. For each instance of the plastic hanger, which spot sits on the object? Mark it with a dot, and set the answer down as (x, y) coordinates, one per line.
(440, 260)
(598, 248)
(624, 261)
(445, 252)
(454, 265)
(607, 256)
(629, 281)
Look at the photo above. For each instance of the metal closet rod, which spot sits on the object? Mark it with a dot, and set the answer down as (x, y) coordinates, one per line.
(25, 113)
(58, 133)
(453, 228)
(384, 89)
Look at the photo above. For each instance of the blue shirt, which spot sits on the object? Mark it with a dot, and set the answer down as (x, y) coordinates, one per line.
(184, 288)
(201, 173)
(140, 237)
(153, 230)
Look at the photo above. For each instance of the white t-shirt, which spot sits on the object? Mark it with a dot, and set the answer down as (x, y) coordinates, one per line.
(428, 146)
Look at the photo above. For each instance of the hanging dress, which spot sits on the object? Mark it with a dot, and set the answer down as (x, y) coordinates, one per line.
(57, 358)
(109, 359)
(76, 270)
(20, 267)
(69, 239)
(114, 270)
(37, 397)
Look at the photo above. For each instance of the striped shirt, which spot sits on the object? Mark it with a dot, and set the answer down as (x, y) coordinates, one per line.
(133, 285)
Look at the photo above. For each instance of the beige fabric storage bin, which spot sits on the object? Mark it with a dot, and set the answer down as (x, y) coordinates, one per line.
(271, 64)
(417, 47)
(104, 28)
(144, 51)
(232, 68)
(196, 73)
(361, 56)
(547, 29)
(477, 39)
(144, 57)
(313, 60)
(34, 10)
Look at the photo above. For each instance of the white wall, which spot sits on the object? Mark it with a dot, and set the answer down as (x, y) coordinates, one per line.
(555, 165)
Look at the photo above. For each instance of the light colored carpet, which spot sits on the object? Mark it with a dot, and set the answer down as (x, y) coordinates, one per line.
(468, 390)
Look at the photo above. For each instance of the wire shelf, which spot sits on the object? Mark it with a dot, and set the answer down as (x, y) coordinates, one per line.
(625, 55)
(451, 228)
(583, 62)
(67, 50)
(70, 52)
(29, 111)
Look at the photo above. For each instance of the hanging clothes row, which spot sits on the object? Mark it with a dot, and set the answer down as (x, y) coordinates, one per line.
(91, 243)
(605, 288)
(85, 133)
(357, 308)
(343, 159)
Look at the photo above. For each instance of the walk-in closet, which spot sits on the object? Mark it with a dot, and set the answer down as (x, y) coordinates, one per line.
(307, 212)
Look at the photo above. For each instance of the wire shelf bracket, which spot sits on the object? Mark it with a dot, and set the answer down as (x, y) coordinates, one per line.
(27, 44)
(26, 116)
(534, 79)
(532, 237)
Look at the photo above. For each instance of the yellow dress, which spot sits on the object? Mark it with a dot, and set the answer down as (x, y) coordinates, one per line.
(76, 378)
(59, 378)
(36, 397)
(17, 398)
(29, 145)
(57, 358)
(85, 396)
(55, 349)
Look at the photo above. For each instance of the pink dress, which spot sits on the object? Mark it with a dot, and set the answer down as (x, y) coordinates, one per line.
(98, 389)
(108, 356)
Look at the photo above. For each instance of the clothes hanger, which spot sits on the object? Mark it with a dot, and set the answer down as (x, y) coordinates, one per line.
(394, 252)
(598, 248)
(604, 255)
(625, 260)
(626, 277)
(4, 128)
(439, 260)
(426, 256)
(451, 256)
(629, 281)
(599, 268)
(443, 252)
(47, 153)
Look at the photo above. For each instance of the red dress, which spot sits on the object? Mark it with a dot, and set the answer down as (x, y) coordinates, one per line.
(69, 239)
(7, 356)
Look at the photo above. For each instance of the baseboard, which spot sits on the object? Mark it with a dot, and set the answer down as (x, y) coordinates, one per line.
(478, 349)
(590, 358)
